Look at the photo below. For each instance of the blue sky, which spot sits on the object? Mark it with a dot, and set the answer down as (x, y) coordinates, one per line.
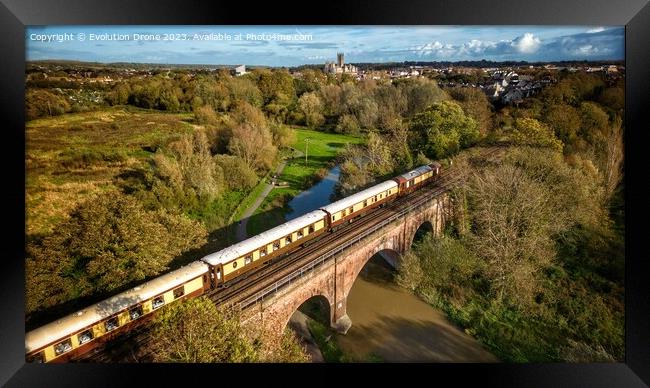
(297, 45)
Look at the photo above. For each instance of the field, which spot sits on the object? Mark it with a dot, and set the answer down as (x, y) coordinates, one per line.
(73, 157)
(300, 175)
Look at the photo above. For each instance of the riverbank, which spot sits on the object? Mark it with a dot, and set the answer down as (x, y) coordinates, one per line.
(321, 150)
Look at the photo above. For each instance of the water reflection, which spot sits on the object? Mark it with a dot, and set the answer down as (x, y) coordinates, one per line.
(317, 196)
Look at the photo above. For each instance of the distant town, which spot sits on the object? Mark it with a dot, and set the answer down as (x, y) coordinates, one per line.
(503, 82)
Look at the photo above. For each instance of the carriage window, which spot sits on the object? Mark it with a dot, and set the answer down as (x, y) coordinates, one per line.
(248, 259)
(375, 198)
(85, 336)
(263, 252)
(180, 291)
(63, 347)
(311, 228)
(135, 312)
(111, 324)
(234, 264)
(351, 210)
(288, 240)
(365, 203)
(300, 234)
(38, 358)
(158, 301)
(276, 245)
(333, 218)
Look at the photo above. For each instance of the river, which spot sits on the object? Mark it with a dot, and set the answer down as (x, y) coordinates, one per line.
(317, 195)
(391, 324)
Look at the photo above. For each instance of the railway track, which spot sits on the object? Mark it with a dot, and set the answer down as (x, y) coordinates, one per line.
(254, 287)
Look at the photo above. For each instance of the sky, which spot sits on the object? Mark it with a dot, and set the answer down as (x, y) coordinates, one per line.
(297, 45)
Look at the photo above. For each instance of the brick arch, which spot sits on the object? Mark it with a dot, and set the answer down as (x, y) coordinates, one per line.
(411, 237)
(296, 303)
(387, 243)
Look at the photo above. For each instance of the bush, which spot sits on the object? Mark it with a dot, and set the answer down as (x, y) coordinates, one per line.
(107, 242)
(42, 103)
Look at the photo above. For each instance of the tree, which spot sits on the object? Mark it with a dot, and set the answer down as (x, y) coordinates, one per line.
(254, 145)
(206, 115)
(120, 94)
(442, 130)
(310, 105)
(250, 137)
(347, 124)
(379, 154)
(443, 264)
(420, 94)
(195, 330)
(40, 103)
(475, 104)
(528, 131)
(513, 220)
(186, 173)
(274, 83)
(613, 171)
(565, 121)
(393, 104)
(354, 171)
(283, 136)
(243, 89)
(239, 176)
(519, 210)
(107, 242)
(310, 81)
(331, 96)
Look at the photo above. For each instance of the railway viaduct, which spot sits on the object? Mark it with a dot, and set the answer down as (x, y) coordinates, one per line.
(334, 274)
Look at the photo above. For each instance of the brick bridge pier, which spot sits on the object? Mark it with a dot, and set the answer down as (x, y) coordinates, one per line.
(334, 277)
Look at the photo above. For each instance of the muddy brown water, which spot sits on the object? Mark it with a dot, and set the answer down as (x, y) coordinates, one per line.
(391, 324)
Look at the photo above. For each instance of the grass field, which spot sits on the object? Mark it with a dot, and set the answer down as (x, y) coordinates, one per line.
(321, 154)
(72, 157)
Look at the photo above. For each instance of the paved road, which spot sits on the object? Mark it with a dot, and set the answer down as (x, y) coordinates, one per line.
(241, 228)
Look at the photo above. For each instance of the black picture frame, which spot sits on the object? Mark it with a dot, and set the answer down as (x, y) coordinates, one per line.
(16, 14)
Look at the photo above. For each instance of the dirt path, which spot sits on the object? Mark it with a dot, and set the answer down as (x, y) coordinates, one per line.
(241, 227)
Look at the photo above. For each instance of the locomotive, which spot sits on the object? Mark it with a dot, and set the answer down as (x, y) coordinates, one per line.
(77, 333)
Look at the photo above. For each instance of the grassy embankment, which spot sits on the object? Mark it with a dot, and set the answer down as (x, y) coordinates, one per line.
(74, 157)
(322, 152)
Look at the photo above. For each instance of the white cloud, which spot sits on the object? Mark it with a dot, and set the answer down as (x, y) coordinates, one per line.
(528, 43)
(597, 29)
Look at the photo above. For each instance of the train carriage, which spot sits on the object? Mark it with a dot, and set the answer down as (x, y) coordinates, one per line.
(242, 257)
(411, 180)
(435, 166)
(79, 332)
(360, 203)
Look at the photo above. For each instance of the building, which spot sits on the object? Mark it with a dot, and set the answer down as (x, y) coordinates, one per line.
(339, 67)
(239, 70)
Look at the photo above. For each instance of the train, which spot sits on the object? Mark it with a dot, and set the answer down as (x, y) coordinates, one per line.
(65, 339)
